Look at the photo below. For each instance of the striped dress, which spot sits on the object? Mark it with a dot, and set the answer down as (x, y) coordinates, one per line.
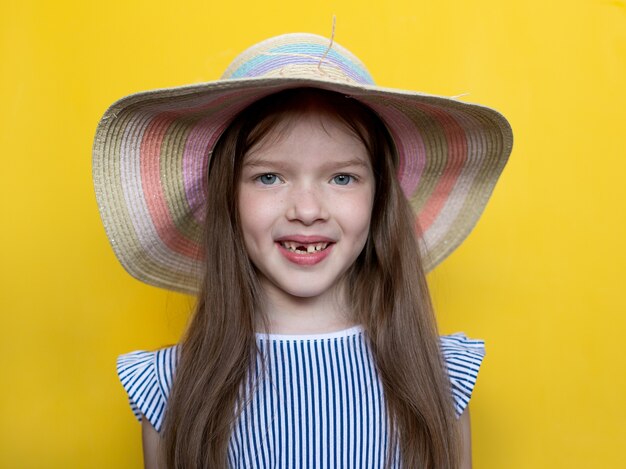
(319, 404)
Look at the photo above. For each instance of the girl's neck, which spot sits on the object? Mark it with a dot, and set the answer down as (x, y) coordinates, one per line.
(292, 315)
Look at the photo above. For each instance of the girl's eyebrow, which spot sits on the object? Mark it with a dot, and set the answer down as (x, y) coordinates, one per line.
(349, 163)
(259, 162)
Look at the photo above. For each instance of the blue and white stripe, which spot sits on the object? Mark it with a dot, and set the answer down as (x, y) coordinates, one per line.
(318, 403)
(462, 358)
(147, 378)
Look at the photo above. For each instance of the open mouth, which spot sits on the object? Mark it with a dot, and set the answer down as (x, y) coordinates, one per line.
(304, 248)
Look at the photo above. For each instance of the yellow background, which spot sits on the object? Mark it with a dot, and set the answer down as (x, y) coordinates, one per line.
(541, 278)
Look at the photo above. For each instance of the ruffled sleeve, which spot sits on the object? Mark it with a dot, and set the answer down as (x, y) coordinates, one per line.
(462, 357)
(147, 378)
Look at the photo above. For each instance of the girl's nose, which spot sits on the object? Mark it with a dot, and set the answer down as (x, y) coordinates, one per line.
(306, 206)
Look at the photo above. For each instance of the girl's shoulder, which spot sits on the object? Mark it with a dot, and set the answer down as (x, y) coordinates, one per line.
(147, 378)
(462, 357)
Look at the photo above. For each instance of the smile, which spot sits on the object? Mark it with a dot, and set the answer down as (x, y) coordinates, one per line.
(303, 253)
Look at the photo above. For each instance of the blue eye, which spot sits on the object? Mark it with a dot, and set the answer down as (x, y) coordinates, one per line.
(268, 179)
(342, 179)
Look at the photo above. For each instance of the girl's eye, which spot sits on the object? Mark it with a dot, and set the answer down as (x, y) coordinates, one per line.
(342, 179)
(268, 179)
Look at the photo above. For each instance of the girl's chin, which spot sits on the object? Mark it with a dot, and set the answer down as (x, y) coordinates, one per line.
(300, 292)
(304, 294)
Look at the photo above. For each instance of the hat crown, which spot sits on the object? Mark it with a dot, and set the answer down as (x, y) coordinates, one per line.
(299, 55)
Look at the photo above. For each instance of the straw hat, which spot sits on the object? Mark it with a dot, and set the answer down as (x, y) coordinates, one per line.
(151, 153)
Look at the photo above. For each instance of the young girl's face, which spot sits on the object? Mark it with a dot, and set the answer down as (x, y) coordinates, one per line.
(305, 203)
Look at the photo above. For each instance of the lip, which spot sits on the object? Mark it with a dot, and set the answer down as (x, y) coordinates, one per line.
(307, 239)
(305, 259)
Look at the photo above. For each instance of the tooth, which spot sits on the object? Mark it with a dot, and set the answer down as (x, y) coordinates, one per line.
(300, 248)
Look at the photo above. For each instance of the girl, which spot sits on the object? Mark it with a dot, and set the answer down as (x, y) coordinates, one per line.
(302, 204)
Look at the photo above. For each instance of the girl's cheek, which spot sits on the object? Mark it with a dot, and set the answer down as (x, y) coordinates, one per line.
(258, 206)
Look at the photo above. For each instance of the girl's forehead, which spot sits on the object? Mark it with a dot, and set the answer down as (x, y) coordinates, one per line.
(321, 131)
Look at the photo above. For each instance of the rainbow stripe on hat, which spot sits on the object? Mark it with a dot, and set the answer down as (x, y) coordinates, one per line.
(151, 154)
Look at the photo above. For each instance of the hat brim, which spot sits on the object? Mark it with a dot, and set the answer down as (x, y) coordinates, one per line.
(151, 153)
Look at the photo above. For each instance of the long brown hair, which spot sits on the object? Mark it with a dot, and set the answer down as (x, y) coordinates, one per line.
(387, 287)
